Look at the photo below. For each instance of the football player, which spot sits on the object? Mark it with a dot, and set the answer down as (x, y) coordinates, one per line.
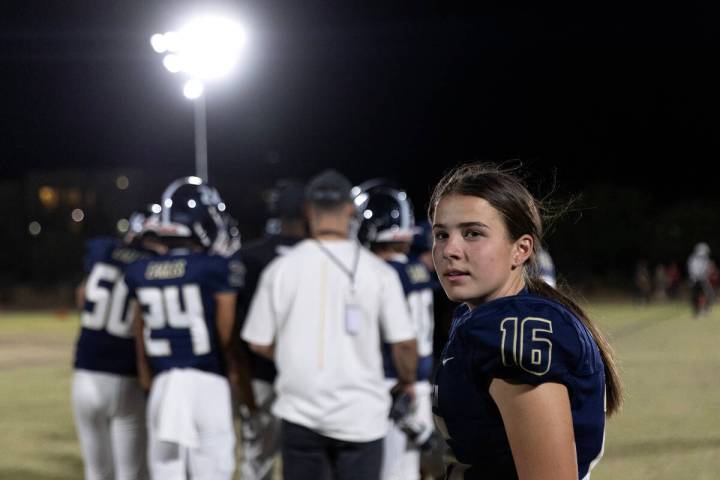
(387, 228)
(108, 403)
(184, 321)
(526, 377)
(286, 227)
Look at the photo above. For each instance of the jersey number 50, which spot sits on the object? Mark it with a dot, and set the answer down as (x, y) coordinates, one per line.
(165, 310)
(529, 346)
(107, 291)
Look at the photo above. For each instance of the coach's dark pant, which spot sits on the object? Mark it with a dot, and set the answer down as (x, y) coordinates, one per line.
(307, 455)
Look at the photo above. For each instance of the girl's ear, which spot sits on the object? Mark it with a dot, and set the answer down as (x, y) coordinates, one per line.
(522, 249)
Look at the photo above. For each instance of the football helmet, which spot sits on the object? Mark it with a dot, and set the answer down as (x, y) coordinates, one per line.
(192, 209)
(137, 225)
(384, 211)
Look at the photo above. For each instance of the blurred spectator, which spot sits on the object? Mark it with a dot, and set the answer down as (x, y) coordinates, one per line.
(643, 283)
(700, 269)
(673, 277)
(660, 282)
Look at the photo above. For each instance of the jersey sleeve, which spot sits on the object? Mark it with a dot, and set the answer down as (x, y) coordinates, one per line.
(259, 327)
(395, 317)
(226, 275)
(528, 344)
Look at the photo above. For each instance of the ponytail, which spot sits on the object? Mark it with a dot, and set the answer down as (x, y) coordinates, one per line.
(613, 384)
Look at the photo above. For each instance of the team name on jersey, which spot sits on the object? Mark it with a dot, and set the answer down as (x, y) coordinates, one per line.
(417, 273)
(165, 270)
(126, 255)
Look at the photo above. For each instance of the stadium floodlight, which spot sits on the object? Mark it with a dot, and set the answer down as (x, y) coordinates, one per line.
(205, 49)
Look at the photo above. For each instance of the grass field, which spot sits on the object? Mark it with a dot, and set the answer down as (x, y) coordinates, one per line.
(669, 428)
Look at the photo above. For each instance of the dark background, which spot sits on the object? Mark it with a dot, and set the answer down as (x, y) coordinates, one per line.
(614, 106)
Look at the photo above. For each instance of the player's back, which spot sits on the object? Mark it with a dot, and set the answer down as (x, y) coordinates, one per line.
(105, 342)
(177, 296)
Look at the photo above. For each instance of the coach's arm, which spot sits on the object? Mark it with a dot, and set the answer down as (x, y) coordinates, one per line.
(267, 351)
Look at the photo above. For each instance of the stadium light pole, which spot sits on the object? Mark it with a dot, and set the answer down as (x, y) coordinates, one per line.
(205, 49)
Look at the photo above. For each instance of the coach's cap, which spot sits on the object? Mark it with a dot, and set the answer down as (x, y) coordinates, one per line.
(286, 199)
(328, 188)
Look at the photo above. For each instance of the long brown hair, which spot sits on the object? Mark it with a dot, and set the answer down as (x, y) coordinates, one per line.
(520, 211)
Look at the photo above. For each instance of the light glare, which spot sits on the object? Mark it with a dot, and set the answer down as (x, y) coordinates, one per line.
(173, 63)
(123, 225)
(122, 182)
(193, 89)
(210, 46)
(77, 215)
(172, 41)
(158, 43)
(34, 228)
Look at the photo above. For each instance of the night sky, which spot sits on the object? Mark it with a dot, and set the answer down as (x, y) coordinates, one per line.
(580, 94)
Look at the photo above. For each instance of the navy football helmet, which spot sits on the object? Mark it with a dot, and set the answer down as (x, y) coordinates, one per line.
(384, 211)
(192, 209)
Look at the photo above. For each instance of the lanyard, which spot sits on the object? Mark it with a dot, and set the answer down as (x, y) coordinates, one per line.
(336, 261)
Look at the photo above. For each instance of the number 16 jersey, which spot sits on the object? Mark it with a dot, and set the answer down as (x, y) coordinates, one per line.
(525, 339)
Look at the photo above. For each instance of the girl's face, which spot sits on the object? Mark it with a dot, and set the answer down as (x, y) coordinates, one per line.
(474, 256)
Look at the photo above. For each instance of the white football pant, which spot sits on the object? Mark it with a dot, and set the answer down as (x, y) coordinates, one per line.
(190, 426)
(109, 414)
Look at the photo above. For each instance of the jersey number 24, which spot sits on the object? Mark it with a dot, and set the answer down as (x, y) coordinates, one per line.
(165, 310)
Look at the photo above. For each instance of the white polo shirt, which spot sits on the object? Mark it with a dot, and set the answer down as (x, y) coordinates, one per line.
(330, 375)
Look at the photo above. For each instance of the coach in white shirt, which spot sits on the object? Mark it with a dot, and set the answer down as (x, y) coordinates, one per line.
(320, 312)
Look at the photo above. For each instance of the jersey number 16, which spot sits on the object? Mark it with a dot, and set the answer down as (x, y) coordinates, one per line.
(527, 346)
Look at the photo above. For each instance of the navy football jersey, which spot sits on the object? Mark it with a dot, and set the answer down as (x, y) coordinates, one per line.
(105, 342)
(528, 339)
(418, 287)
(177, 295)
(256, 256)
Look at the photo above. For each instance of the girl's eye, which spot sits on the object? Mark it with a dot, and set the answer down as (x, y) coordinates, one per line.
(473, 233)
(440, 235)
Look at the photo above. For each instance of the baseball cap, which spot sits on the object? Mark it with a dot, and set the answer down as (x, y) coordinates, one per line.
(328, 188)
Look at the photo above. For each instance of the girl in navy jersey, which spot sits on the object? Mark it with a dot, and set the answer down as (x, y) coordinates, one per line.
(526, 379)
